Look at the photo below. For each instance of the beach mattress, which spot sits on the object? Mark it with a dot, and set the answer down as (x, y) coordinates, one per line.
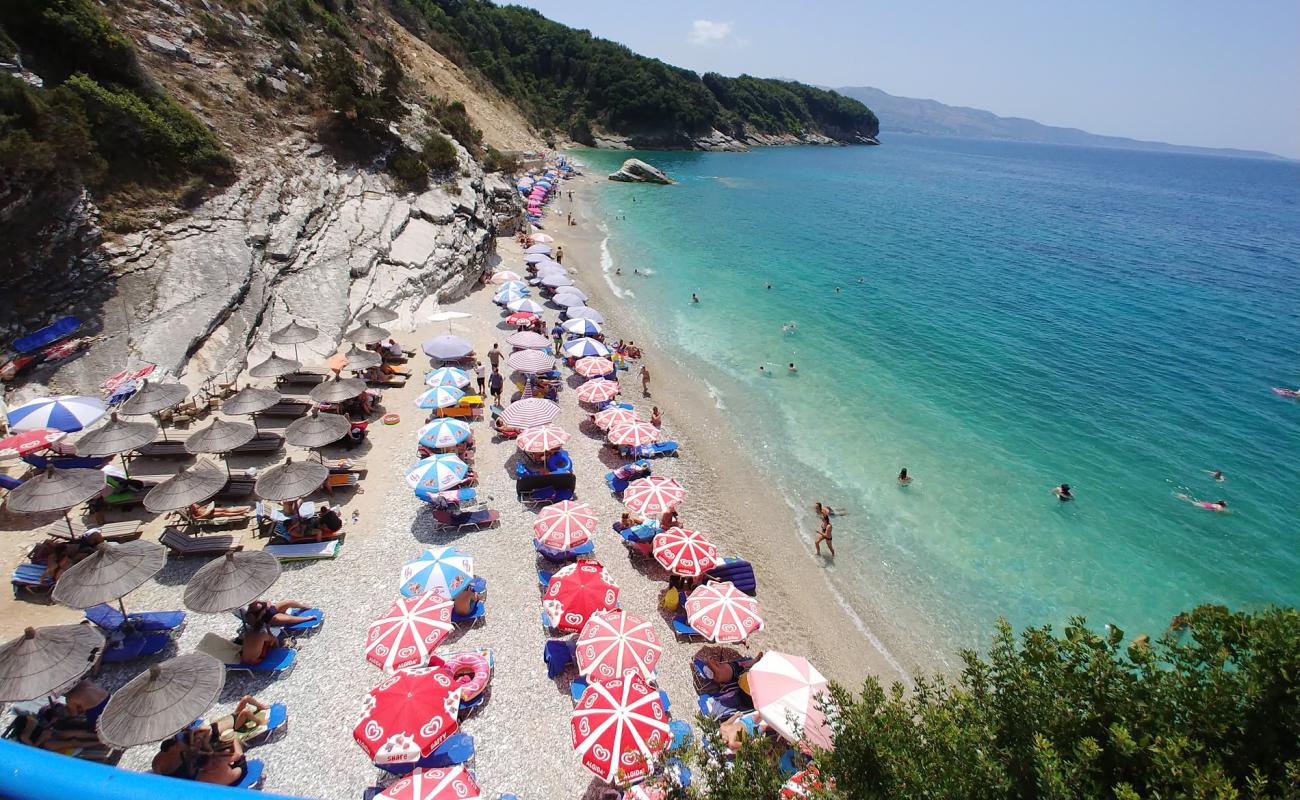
(47, 335)
(309, 551)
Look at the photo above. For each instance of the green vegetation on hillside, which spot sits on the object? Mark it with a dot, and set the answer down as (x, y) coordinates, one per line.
(568, 80)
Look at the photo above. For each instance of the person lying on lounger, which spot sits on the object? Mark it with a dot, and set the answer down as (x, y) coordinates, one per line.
(720, 671)
(629, 520)
(463, 604)
(324, 525)
(244, 718)
(62, 724)
(61, 554)
(225, 767)
(211, 510)
(175, 759)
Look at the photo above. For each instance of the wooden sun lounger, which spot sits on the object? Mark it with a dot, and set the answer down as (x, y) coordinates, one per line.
(288, 408)
(237, 487)
(262, 443)
(302, 377)
(124, 531)
(181, 545)
(343, 480)
(343, 466)
(173, 448)
(391, 381)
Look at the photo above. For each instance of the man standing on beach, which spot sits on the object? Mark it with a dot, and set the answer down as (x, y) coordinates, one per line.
(494, 355)
(645, 380)
(559, 254)
(478, 373)
(495, 383)
(557, 335)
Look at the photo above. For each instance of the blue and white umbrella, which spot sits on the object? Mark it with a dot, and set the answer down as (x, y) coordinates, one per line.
(585, 312)
(439, 397)
(524, 304)
(580, 348)
(514, 286)
(447, 376)
(581, 327)
(65, 413)
(444, 432)
(444, 570)
(544, 249)
(567, 300)
(435, 474)
(507, 295)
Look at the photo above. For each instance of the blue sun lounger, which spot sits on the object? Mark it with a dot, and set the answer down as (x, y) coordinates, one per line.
(638, 469)
(277, 662)
(277, 720)
(256, 775)
(30, 578)
(458, 749)
(550, 554)
(558, 655)
(721, 706)
(653, 450)
(683, 629)
(476, 615)
(130, 646)
(110, 619)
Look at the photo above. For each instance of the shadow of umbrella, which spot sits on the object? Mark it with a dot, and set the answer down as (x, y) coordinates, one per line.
(110, 573)
(56, 490)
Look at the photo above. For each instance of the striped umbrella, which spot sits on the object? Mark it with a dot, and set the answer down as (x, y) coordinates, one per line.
(444, 571)
(598, 391)
(447, 376)
(530, 361)
(807, 782)
(449, 783)
(585, 312)
(564, 525)
(544, 249)
(439, 397)
(576, 592)
(530, 412)
(592, 367)
(573, 291)
(521, 319)
(542, 439)
(65, 413)
(653, 495)
(524, 304)
(615, 416)
(581, 327)
(541, 238)
(685, 552)
(620, 728)
(616, 644)
(505, 276)
(788, 694)
(634, 434)
(722, 613)
(566, 300)
(406, 635)
(529, 340)
(517, 285)
(408, 716)
(555, 280)
(443, 432)
(505, 296)
(436, 473)
(585, 346)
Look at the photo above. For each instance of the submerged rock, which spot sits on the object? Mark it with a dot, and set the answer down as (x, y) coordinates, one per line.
(634, 170)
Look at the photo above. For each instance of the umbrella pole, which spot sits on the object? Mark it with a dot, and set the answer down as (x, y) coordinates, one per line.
(225, 459)
(68, 518)
(126, 467)
(161, 427)
(121, 607)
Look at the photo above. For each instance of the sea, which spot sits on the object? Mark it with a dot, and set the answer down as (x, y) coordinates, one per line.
(999, 318)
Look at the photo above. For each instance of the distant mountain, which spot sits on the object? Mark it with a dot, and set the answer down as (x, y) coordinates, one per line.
(913, 115)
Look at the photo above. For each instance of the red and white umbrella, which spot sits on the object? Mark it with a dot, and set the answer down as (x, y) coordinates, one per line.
(616, 644)
(565, 525)
(521, 319)
(450, 783)
(646, 791)
(805, 783)
(406, 635)
(633, 433)
(530, 412)
(576, 592)
(722, 613)
(505, 276)
(653, 495)
(598, 391)
(542, 439)
(615, 416)
(593, 366)
(408, 716)
(620, 729)
(685, 552)
(24, 443)
(787, 693)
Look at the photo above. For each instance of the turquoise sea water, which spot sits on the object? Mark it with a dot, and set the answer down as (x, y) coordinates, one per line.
(1009, 317)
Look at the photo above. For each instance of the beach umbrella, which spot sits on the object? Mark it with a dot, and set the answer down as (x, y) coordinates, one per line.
(581, 327)
(366, 333)
(551, 268)
(505, 276)
(337, 390)
(162, 700)
(598, 390)
(521, 319)
(442, 571)
(555, 281)
(542, 439)
(576, 592)
(436, 473)
(116, 436)
(231, 581)
(505, 296)
(377, 315)
(447, 348)
(612, 417)
(250, 400)
(153, 398)
(585, 347)
(536, 258)
(544, 249)
(359, 358)
(65, 413)
(541, 238)
(274, 367)
(524, 304)
(585, 312)
(517, 285)
(408, 716)
(24, 443)
(43, 660)
(530, 361)
(574, 291)
(317, 429)
(114, 570)
(653, 495)
(407, 633)
(530, 412)
(443, 432)
(439, 397)
(567, 300)
(788, 694)
(449, 783)
(291, 480)
(620, 728)
(447, 376)
(221, 436)
(56, 490)
(295, 334)
(807, 782)
(616, 644)
(528, 340)
(632, 434)
(593, 366)
(193, 484)
(722, 613)
(685, 552)
(564, 525)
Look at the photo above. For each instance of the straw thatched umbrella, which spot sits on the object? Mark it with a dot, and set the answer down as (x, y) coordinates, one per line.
(291, 480)
(194, 484)
(250, 400)
(221, 436)
(56, 490)
(377, 315)
(362, 359)
(116, 436)
(112, 571)
(317, 429)
(45, 659)
(231, 581)
(295, 334)
(162, 700)
(154, 398)
(274, 367)
(366, 333)
(336, 390)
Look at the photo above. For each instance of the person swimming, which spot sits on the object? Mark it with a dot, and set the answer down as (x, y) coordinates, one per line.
(793, 368)
(1217, 474)
(1218, 506)
(903, 478)
(789, 327)
(769, 286)
(1063, 493)
(695, 298)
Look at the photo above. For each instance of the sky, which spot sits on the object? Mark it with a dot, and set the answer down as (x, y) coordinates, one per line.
(1216, 74)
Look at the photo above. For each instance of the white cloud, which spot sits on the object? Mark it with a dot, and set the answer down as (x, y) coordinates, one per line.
(705, 32)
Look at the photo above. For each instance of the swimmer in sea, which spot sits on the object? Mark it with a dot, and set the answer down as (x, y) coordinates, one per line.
(1063, 493)
(861, 279)
(769, 286)
(618, 271)
(1218, 506)
(793, 368)
(789, 327)
(695, 298)
(1217, 474)
(837, 290)
(903, 478)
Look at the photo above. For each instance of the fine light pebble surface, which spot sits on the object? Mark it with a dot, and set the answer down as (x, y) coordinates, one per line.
(522, 734)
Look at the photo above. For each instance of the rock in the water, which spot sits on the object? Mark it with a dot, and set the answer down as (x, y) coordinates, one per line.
(634, 170)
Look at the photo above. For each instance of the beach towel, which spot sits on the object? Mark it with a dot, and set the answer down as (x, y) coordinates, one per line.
(309, 551)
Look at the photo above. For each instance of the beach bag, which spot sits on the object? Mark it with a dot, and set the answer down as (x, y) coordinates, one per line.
(671, 599)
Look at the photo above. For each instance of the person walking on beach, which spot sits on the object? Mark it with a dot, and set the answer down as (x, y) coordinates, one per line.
(557, 335)
(645, 380)
(494, 355)
(478, 373)
(495, 384)
(824, 535)
(559, 254)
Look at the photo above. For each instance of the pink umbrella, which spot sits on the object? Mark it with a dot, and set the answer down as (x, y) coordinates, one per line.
(722, 613)
(408, 632)
(616, 644)
(504, 276)
(593, 366)
(597, 391)
(615, 416)
(520, 319)
(653, 495)
(788, 694)
(408, 716)
(542, 439)
(633, 433)
(684, 552)
(576, 592)
(448, 783)
(565, 525)
(24, 443)
(620, 729)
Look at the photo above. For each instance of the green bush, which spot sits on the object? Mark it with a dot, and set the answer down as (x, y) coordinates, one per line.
(410, 171)
(62, 37)
(496, 161)
(45, 136)
(438, 153)
(454, 119)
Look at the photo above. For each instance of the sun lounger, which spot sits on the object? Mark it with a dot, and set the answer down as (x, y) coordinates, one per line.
(721, 706)
(654, 450)
(681, 733)
(261, 443)
(388, 381)
(270, 723)
(65, 462)
(558, 655)
(303, 377)
(130, 646)
(27, 580)
(684, 630)
(549, 554)
(277, 662)
(181, 545)
(458, 749)
(543, 489)
(739, 572)
(306, 551)
(110, 619)
(124, 531)
(342, 480)
(190, 524)
(287, 408)
(474, 617)
(474, 520)
(617, 480)
(459, 412)
(172, 448)
(255, 777)
(343, 466)
(236, 487)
